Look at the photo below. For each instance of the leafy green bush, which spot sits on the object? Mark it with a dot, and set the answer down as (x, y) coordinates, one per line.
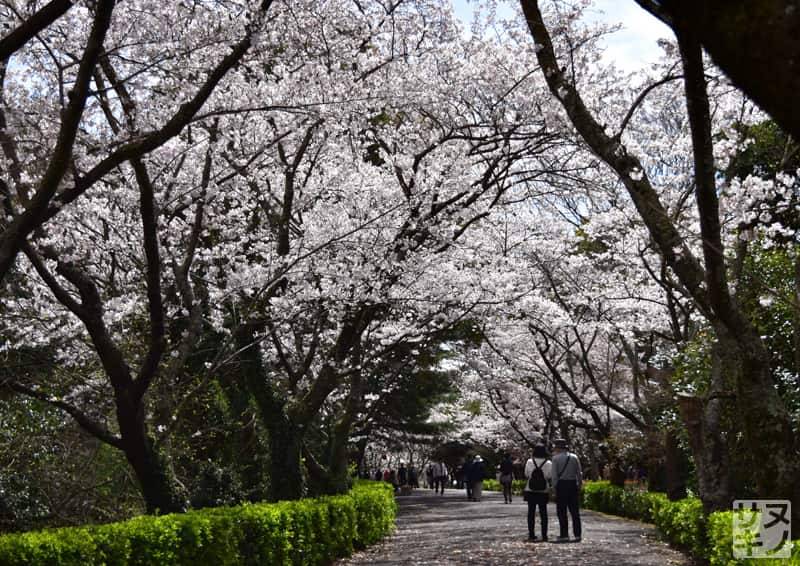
(634, 504)
(309, 531)
(720, 534)
(683, 522)
(493, 485)
(375, 515)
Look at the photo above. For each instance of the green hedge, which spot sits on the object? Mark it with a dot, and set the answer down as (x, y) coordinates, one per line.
(721, 533)
(308, 531)
(493, 485)
(602, 496)
(682, 522)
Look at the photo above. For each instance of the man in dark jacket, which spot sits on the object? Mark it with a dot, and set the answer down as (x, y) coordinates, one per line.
(466, 474)
(477, 473)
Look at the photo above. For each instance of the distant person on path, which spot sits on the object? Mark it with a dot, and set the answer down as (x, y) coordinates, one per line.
(439, 477)
(506, 476)
(429, 477)
(413, 479)
(477, 473)
(538, 473)
(402, 474)
(567, 482)
(466, 473)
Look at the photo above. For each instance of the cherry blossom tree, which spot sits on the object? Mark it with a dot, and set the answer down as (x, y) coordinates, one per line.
(297, 221)
(765, 419)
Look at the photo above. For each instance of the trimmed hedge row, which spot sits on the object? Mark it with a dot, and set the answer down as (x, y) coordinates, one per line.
(493, 485)
(308, 531)
(682, 522)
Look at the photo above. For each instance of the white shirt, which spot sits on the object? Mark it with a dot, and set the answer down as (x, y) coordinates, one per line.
(542, 463)
(567, 467)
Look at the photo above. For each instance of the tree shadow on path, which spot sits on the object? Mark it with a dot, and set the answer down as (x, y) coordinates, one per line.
(449, 530)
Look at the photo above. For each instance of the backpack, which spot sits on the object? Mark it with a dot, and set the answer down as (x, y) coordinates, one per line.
(537, 482)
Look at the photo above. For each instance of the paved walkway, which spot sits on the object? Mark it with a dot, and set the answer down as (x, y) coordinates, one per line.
(449, 530)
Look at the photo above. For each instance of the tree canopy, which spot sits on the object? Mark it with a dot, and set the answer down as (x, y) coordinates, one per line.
(247, 246)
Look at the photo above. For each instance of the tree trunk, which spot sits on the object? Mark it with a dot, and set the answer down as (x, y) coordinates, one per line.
(674, 469)
(594, 464)
(702, 419)
(767, 428)
(616, 475)
(285, 439)
(338, 479)
(249, 460)
(796, 312)
(285, 472)
(161, 490)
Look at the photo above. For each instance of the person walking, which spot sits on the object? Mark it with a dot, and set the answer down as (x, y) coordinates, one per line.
(439, 477)
(567, 483)
(413, 477)
(538, 472)
(506, 477)
(477, 473)
(466, 473)
(429, 477)
(402, 474)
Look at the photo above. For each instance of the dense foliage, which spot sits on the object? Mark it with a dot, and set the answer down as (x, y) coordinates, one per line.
(310, 531)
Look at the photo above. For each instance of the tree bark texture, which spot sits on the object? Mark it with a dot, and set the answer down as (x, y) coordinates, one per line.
(161, 490)
(674, 468)
(755, 42)
(701, 418)
(285, 439)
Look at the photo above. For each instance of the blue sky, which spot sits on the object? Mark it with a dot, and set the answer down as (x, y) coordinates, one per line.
(631, 48)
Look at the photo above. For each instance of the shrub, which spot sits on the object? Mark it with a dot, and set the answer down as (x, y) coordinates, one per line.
(493, 485)
(634, 504)
(720, 535)
(683, 522)
(375, 514)
(309, 531)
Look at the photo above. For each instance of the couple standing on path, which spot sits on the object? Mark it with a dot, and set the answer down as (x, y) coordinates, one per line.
(562, 475)
(474, 472)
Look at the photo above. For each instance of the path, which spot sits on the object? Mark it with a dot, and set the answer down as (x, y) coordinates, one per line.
(449, 530)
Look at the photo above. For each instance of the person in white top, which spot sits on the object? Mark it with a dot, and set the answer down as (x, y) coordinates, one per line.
(538, 473)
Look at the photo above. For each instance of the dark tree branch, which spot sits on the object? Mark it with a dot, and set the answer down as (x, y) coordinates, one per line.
(640, 99)
(605, 398)
(26, 31)
(15, 234)
(43, 210)
(88, 424)
(705, 179)
(754, 42)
